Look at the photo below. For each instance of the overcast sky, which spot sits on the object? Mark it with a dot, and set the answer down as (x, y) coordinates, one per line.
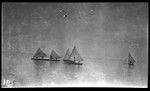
(104, 30)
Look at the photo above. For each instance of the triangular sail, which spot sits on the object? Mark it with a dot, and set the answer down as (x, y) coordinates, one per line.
(54, 55)
(67, 54)
(75, 56)
(39, 53)
(130, 59)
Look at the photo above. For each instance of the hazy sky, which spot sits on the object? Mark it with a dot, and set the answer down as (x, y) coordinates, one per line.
(103, 30)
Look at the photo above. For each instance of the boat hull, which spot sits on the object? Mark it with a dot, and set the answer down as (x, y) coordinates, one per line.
(72, 62)
(54, 60)
(40, 59)
(44, 59)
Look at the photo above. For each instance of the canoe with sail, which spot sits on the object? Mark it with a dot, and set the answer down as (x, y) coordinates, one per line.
(54, 56)
(131, 64)
(39, 55)
(73, 58)
(131, 61)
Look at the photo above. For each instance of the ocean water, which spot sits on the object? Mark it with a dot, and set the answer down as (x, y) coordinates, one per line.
(19, 67)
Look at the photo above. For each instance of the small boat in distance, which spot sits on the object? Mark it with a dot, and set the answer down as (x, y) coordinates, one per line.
(131, 61)
(39, 55)
(73, 58)
(54, 56)
(131, 65)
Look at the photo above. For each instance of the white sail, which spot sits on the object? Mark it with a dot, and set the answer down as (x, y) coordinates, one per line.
(67, 54)
(39, 53)
(54, 55)
(130, 59)
(75, 56)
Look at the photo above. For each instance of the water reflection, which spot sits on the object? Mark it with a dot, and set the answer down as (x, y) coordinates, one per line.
(71, 71)
(130, 70)
(39, 71)
(43, 72)
(53, 71)
(56, 72)
(59, 73)
(133, 75)
(53, 65)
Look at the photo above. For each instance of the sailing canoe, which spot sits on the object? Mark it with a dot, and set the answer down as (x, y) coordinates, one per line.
(131, 61)
(39, 55)
(54, 56)
(73, 58)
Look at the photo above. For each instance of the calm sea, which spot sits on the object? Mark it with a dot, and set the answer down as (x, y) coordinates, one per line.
(19, 67)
